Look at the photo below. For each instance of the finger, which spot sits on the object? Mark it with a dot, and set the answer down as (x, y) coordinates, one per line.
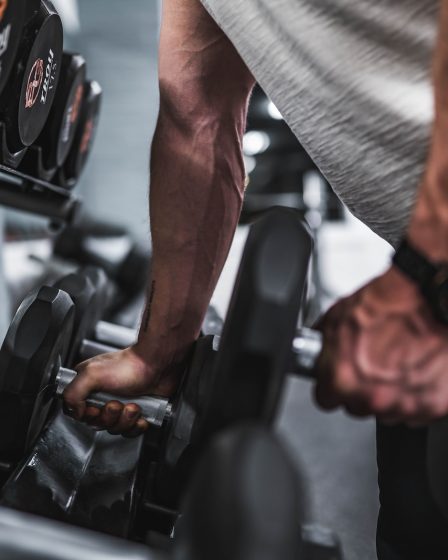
(110, 415)
(324, 393)
(128, 419)
(140, 428)
(91, 415)
(76, 393)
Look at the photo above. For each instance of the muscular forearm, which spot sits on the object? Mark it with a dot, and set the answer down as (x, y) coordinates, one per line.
(429, 226)
(197, 178)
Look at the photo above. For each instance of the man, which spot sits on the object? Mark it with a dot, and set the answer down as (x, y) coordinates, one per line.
(354, 81)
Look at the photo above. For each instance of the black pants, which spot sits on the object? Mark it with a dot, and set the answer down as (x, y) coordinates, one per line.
(410, 526)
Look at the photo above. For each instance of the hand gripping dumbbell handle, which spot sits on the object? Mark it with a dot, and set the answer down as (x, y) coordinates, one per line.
(155, 410)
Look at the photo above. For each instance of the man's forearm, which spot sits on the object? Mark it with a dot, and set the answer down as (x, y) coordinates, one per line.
(429, 226)
(197, 184)
(197, 177)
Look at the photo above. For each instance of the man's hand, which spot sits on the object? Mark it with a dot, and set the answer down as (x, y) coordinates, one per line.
(122, 373)
(385, 354)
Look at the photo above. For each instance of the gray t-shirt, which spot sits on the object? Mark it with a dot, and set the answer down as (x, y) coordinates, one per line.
(352, 79)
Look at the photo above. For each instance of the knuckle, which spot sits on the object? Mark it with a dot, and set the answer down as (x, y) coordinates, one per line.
(142, 424)
(343, 385)
(113, 407)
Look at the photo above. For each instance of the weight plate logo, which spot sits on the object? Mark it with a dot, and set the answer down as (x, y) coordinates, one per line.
(3, 7)
(34, 83)
(87, 136)
(76, 103)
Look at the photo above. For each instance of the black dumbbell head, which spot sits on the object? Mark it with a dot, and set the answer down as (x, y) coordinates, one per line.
(104, 289)
(132, 275)
(260, 325)
(57, 137)
(80, 289)
(35, 346)
(246, 501)
(85, 132)
(27, 99)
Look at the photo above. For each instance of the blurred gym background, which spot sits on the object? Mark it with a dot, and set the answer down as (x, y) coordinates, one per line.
(119, 40)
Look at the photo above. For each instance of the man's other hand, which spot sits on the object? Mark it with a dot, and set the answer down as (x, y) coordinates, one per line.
(384, 355)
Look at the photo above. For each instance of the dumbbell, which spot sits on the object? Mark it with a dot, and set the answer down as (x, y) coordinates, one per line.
(55, 140)
(73, 166)
(13, 16)
(29, 94)
(233, 511)
(238, 380)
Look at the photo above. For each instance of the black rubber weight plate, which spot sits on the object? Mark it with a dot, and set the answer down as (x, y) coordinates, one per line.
(12, 20)
(35, 346)
(72, 109)
(85, 132)
(256, 342)
(41, 79)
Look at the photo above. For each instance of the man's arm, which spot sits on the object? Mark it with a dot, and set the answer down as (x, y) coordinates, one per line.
(429, 227)
(197, 176)
(385, 353)
(197, 186)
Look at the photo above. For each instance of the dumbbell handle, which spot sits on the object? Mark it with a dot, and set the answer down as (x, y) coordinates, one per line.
(115, 335)
(306, 349)
(155, 410)
(123, 337)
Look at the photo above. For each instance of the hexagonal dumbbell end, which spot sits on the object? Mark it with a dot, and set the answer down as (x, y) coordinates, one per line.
(36, 344)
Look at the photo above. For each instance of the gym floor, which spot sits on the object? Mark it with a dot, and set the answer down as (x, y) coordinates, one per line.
(337, 453)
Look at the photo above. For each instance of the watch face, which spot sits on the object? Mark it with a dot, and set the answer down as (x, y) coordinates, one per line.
(441, 294)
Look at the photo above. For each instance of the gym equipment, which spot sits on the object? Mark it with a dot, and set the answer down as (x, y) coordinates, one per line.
(125, 262)
(30, 537)
(55, 141)
(246, 501)
(28, 194)
(77, 475)
(13, 16)
(35, 345)
(241, 381)
(28, 97)
(232, 511)
(72, 168)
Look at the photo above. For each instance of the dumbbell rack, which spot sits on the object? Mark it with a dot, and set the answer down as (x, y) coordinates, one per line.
(29, 194)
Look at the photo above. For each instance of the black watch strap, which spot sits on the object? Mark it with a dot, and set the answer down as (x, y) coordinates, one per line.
(415, 265)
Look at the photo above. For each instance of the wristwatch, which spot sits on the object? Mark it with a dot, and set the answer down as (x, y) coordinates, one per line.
(431, 278)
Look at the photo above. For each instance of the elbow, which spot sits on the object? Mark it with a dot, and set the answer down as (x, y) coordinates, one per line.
(191, 100)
